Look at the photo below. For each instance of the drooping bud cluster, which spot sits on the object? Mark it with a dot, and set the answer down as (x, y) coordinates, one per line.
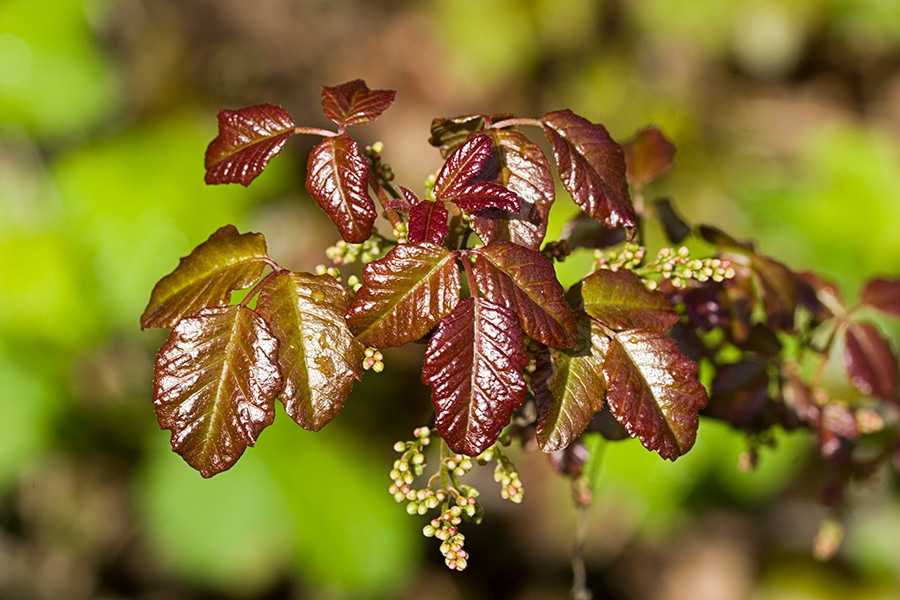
(557, 251)
(445, 528)
(401, 232)
(373, 360)
(507, 476)
(410, 465)
(344, 253)
(380, 169)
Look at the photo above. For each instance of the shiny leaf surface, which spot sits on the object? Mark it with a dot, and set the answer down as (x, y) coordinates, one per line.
(462, 165)
(620, 301)
(215, 385)
(353, 103)
(870, 362)
(428, 222)
(247, 140)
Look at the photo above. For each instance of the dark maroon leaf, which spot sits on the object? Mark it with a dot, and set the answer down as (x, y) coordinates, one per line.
(247, 140)
(585, 232)
(675, 227)
(428, 222)
(652, 389)
(406, 202)
(821, 297)
(319, 357)
(462, 165)
(740, 393)
(480, 196)
(716, 236)
(226, 262)
(569, 387)
(648, 155)
(404, 295)
(870, 362)
(215, 385)
(353, 103)
(591, 167)
(883, 294)
(778, 291)
(338, 180)
(621, 301)
(524, 281)
(474, 365)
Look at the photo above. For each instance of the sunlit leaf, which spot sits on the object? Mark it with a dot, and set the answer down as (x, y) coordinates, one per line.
(215, 385)
(648, 155)
(338, 179)
(883, 294)
(524, 281)
(870, 362)
(481, 196)
(621, 301)
(569, 387)
(226, 262)
(462, 165)
(428, 222)
(247, 140)
(474, 365)
(404, 295)
(652, 390)
(406, 202)
(353, 103)
(319, 357)
(591, 167)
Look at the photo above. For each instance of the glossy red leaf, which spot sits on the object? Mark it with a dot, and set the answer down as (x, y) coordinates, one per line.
(481, 196)
(569, 387)
(524, 281)
(653, 391)
(462, 165)
(318, 356)
(404, 295)
(353, 103)
(621, 301)
(247, 140)
(215, 385)
(338, 179)
(648, 155)
(883, 294)
(226, 262)
(474, 365)
(591, 166)
(428, 222)
(449, 134)
(870, 362)
(406, 202)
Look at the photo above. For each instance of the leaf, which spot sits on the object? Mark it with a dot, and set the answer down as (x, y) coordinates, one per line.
(353, 103)
(653, 391)
(474, 365)
(318, 356)
(524, 281)
(404, 295)
(870, 362)
(428, 222)
(620, 301)
(740, 393)
(884, 295)
(462, 165)
(569, 387)
(591, 166)
(675, 227)
(449, 134)
(480, 196)
(338, 180)
(247, 141)
(226, 262)
(406, 202)
(647, 156)
(215, 385)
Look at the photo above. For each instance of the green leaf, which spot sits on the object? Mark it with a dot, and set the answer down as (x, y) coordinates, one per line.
(524, 281)
(404, 295)
(226, 262)
(653, 391)
(569, 387)
(215, 385)
(318, 356)
(474, 365)
(620, 301)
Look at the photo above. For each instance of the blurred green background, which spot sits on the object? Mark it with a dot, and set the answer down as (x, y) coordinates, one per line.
(786, 115)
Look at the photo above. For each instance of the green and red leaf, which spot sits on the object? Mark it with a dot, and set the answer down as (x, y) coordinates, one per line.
(591, 166)
(353, 103)
(428, 222)
(318, 356)
(473, 365)
(404, 295)
(247, 140)
(226, 262)
(215, 385)
(870, 362)
(338, 180)
(653, 391)
(621, 301)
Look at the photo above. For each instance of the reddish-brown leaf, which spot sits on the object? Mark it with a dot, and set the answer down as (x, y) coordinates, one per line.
(883, 294)
(591, 166)
(215, 385)
(653, 391)
(226, 262)
(247, 140)
(620, 301)
(428, 222)
(648, 155)
(338, 180)
(353, 103)
(404, 295)
(482, 196)
(462, 165)
(870, 362)
(474, 365)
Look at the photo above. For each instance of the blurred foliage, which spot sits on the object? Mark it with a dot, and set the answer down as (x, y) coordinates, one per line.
(786, 120)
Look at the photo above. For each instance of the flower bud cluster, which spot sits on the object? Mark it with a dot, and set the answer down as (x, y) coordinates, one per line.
(445, 528)
(507, 476)
(344, 253)
(373, 360)
(557, 251)
(678, 267)
(429, 186)
(380, 169)
(629, 257)
(401, 232)
(323, 270)
(354, 283)
(410, 465)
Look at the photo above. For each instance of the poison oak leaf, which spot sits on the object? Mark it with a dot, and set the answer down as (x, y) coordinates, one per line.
(226, 262)
(884, 295)
(648, 155)
(473, 365)
(404, 295)
(428, 222)
(247, 141)
(215, 385)
(353, 103)
(870, 362)
(318, 356)
(621, 301)
(462, 165)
